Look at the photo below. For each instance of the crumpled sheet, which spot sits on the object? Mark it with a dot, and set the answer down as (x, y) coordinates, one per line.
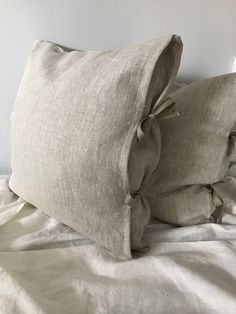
(45, 267)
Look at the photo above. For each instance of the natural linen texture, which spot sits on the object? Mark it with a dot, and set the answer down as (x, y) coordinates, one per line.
(195, 151)
(84, 140)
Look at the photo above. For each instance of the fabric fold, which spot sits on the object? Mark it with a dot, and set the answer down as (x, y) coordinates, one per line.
(8, 211)
(166, 110)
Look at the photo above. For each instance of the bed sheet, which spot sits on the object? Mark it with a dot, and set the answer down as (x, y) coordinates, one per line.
(45, 267)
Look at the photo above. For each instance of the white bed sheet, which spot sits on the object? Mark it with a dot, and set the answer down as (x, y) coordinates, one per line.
(45, 267)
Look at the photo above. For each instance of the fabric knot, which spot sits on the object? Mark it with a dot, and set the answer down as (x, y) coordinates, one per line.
(216, 199)
(145, 126)
(130, 198)
(166, 110)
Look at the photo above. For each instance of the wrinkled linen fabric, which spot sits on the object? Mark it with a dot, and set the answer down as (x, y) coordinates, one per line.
(85, 143)
(46, 267)
(196, 150)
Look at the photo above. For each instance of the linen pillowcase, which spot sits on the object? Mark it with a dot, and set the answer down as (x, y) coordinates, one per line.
(85, 143)
(196, 151)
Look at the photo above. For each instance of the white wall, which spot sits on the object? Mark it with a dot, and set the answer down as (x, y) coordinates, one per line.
(207, 27)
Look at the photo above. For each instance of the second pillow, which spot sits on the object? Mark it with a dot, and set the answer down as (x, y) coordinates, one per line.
(196, 150)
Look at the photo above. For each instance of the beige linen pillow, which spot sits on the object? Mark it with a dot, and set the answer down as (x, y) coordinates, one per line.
(84, 140)
(195, 151)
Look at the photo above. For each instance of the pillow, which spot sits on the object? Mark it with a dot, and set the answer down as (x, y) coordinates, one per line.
(84, 141)
(196, 151)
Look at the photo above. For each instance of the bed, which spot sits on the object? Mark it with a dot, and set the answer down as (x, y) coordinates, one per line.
(46, 267)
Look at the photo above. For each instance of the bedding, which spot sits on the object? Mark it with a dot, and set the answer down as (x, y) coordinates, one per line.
(46, 267)
(84, 141)
(196, 150)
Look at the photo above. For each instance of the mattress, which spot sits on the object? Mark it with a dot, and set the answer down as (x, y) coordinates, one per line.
(46, 267)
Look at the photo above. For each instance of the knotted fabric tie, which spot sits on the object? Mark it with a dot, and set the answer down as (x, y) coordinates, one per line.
(165, 111)
(131, 197)
(216, 199)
